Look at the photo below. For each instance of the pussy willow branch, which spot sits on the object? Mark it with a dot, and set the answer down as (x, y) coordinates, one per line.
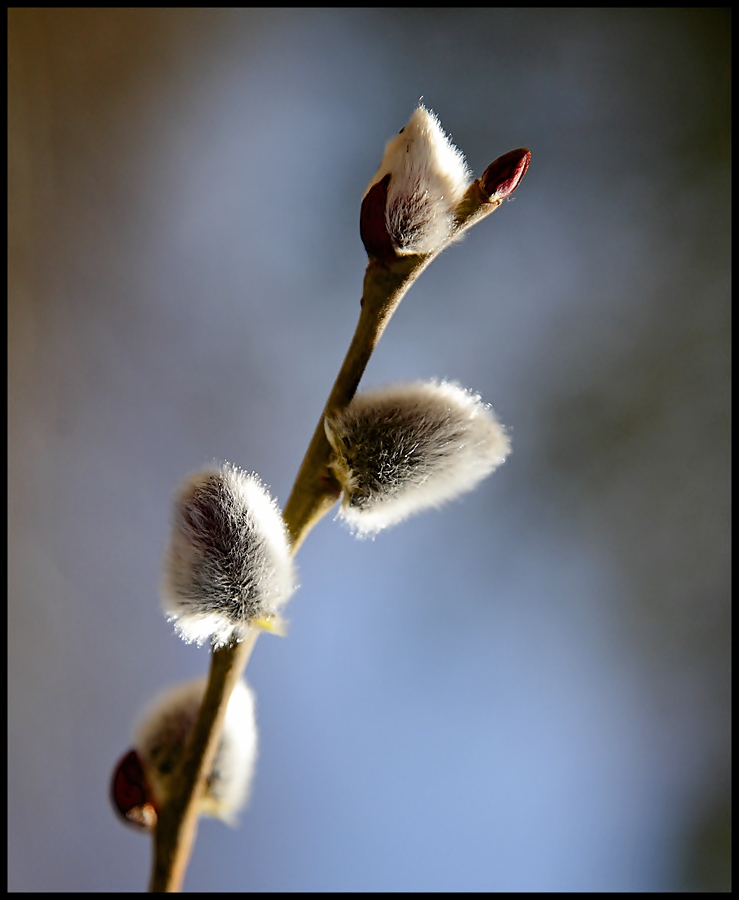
(312, 496)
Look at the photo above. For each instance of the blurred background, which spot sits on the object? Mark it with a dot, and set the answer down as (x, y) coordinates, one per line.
(525, 691)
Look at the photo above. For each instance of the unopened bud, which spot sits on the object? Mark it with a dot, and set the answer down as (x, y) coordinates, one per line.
(408, 206)
(402, 449)
(143, 778)
(131, 792)
(228, 566)
(503, 175)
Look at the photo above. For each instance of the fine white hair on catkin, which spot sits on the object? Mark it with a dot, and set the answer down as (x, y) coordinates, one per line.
(228, 564)
(429, 176)
(401, 449)
(162, 735)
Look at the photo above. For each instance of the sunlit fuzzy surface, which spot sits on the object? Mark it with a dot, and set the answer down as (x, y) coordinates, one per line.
(228, 564)
(403, 449)
(429, 175)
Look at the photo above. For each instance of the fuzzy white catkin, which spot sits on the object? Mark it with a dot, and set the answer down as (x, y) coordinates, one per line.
(162, 736)
(429, 176)
(408, 447)
(228, 565)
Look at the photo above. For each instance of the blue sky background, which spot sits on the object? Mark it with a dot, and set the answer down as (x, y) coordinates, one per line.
(528, 690)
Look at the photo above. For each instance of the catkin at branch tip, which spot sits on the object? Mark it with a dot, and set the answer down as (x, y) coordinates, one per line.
(428, 176)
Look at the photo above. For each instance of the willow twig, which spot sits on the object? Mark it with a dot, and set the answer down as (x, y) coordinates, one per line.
(314, 493)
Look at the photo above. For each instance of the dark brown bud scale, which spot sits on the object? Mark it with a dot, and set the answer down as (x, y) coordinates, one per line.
(373, 222)
(131, 794)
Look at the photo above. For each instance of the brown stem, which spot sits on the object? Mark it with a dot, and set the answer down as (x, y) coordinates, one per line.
(312, 497)
(385, 284)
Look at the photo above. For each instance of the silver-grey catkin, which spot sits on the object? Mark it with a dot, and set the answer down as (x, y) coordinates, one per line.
(428, 178)
(401, 449)
(228, 564)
